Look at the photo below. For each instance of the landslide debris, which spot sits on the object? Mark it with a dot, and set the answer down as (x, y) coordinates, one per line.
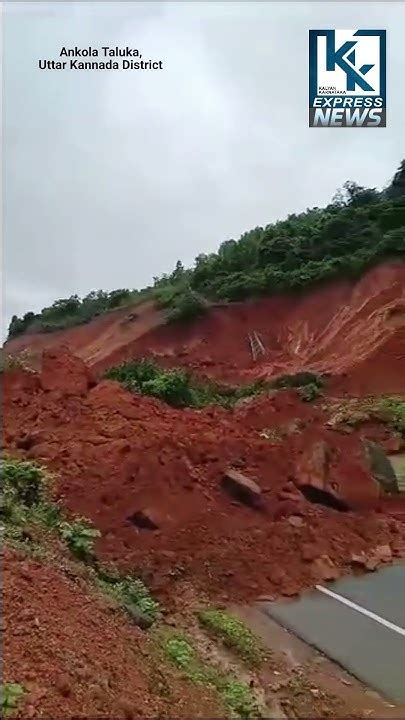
(117, 454)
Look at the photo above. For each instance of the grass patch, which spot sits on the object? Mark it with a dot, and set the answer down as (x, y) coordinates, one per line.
(234, 634)
(236, 695)
(10, 697)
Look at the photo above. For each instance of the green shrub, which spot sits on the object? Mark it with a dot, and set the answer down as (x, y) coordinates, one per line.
(25, 502)
(309, 392)
(24, 483)
(297, 380)
(129, 592)
(11, 695)
(79, 536)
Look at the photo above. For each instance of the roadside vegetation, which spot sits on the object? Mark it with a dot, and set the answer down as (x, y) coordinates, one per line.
(33, 522)
(236, 695)
(177, 387)
(359, 228)
(234, 634)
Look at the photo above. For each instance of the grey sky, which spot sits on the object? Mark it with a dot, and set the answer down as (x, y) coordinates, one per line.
(110, 177)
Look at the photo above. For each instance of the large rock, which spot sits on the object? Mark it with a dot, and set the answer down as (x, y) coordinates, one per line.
(328, 475)
(398, 465)
(242, 488)
(380, 467)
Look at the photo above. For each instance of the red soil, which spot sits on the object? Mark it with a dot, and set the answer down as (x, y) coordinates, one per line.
(355, 331)
(118, 453)
(82, 658)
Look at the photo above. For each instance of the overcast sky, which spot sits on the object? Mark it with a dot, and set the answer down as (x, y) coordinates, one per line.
(110, 177)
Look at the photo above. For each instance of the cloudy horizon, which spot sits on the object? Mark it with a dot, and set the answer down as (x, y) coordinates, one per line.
(110, 177)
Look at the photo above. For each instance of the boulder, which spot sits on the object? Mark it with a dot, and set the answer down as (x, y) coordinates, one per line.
(380, 467)
(242, 488)
(146, 519)
(398, 465)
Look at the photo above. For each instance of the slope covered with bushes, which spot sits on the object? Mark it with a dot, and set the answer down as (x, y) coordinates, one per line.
(359, 228)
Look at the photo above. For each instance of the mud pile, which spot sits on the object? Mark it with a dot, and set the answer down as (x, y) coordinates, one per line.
(150, 478)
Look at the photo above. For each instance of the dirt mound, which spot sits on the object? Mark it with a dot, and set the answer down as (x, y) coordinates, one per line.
(82, 659)
(354, 331)
(120, 456)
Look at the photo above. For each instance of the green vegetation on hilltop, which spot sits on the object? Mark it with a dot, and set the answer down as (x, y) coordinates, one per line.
(359, 228)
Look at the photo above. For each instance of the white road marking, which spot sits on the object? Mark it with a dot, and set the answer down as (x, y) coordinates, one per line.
(362, 610)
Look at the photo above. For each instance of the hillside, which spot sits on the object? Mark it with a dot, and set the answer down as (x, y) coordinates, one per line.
(156, 475)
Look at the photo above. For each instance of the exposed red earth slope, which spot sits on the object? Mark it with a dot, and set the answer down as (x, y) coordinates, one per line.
(355, 331)
(117, 454)
(78, 658)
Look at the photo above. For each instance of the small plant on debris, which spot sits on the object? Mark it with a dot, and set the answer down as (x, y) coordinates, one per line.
(131, 594)
(234, 634)
(236, 695)
(11, 695)
(79, 536)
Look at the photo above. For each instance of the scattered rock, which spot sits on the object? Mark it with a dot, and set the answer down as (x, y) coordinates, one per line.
(296, 520)
(147, 519)
(310, 551)
(242, 488)
(139, 618)
(127, 709)
(383, 553)
(324, 568)
(63, 685)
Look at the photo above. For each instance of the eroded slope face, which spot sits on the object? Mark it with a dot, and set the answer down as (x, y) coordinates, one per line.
(354, 331)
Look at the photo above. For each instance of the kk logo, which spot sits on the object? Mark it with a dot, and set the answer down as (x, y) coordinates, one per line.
(347, 78)
(345, 58)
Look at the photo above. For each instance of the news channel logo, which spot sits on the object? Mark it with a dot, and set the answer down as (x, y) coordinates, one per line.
(347, 78)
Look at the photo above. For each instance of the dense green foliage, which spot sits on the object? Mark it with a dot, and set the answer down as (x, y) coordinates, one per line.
(359, 228)
(179, 388)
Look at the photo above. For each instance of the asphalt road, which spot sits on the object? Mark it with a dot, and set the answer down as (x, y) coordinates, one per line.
(357, 622)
